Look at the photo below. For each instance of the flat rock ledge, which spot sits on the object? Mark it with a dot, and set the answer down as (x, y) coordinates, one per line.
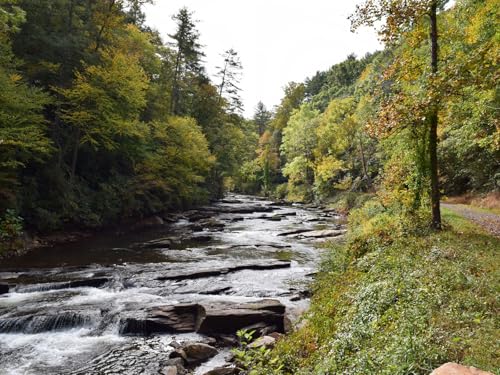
(208, 319)
(202, 273)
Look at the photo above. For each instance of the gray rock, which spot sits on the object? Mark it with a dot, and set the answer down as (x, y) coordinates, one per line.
(195, 353)
(169, 370)
(163, 319)
(228, 319)
(223, 371)
(4, 288)
(264, 341)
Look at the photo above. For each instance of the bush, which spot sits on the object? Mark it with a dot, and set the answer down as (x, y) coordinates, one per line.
(11, 226)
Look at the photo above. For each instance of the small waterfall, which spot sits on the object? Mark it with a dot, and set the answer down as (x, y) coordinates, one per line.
(93, 283)
(46, 323)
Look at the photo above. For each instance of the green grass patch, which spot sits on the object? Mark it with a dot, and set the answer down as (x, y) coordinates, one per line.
(396, 299)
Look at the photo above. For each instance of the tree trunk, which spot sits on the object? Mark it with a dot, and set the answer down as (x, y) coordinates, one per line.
(433, 119)
(75, 156)
(363, 162)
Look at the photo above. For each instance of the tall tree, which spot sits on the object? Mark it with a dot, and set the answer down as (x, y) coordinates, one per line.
(187, 65)
(400, 17)
(230, 75)
(262, 117)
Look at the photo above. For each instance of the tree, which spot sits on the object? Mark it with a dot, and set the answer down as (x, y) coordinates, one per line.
(23, 138)
(400, 18)
(262, 118)
(104, 103)
(230, 75)
(187, 65)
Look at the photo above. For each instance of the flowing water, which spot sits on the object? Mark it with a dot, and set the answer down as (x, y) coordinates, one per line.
(63, 312)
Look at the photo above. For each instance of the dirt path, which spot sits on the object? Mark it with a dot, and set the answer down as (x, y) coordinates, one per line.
(489, 221)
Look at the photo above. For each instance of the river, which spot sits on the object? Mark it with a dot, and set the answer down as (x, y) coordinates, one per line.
(66, 304)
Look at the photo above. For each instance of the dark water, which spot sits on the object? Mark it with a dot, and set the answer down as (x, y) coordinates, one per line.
(51, 323)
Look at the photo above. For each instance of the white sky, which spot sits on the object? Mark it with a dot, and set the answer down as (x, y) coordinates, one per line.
(278, 41)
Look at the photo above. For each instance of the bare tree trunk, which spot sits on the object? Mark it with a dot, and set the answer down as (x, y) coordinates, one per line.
(363, 162)
(75, 155)
(435, 196)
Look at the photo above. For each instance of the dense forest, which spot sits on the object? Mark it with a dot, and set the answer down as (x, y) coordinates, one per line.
(365, 124)
(101, 120)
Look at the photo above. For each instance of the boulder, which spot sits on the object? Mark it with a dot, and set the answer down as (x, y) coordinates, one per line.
(223, 371)
(451, 368)
(169, 370)
(171, 364)
(195, 353)
(228, 319)
(163, 319)
(4, 288)
(263, 316)
(264, 341)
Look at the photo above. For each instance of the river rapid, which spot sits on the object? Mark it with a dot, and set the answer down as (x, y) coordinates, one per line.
(66, 304)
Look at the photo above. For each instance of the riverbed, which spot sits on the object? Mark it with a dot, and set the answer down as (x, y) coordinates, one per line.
(66, 304)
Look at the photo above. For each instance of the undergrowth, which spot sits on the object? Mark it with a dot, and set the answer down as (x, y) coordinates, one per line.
(397, 298)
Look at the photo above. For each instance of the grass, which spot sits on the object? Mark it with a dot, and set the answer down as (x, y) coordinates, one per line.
(409, 302)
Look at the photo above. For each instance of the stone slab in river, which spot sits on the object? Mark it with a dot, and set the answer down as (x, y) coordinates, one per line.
(227, 319)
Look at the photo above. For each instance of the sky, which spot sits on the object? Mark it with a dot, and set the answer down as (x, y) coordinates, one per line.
(278, 41)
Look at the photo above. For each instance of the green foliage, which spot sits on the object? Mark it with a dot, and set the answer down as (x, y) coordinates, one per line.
(410, 301)
(11, 226)
(248, 358)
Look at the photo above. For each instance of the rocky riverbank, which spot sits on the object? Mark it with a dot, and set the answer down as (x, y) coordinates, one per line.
(126, 304)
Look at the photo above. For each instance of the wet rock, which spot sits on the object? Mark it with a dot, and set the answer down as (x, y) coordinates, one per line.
(260, 329)
(164, 319)
(451, 368)
(195, 353)
(230, 201)
(198, 274)
(322, 233)
(215, 290)
(157, 244)
(169, 370)
(244, 209)
(197, 215)
(264, 341)
(228, 319)
(223, 371)
(200, 238)
(174, 363)
(4, 288)
(293, 232)
(227, 340)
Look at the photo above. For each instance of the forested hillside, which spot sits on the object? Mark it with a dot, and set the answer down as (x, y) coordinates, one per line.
(101, 120)
(365, 123)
